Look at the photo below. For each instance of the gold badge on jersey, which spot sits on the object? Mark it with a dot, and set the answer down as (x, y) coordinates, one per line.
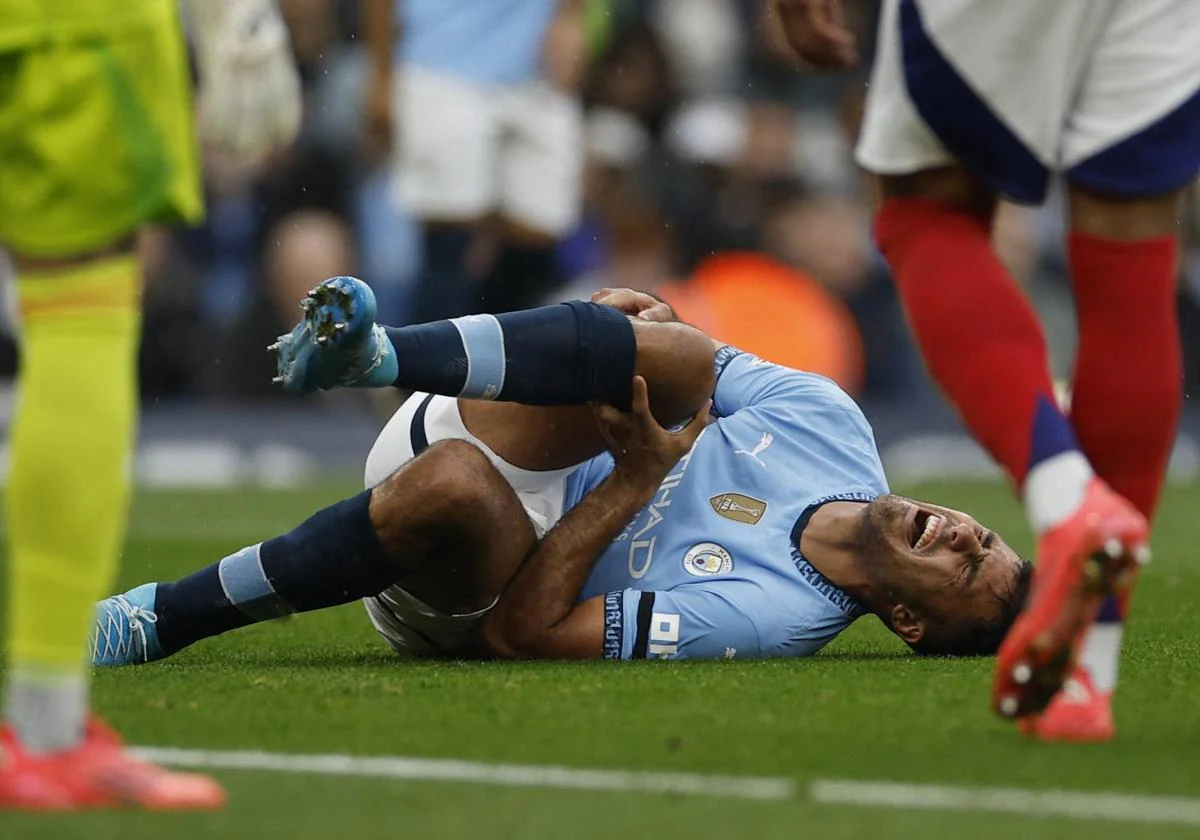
(739, 508)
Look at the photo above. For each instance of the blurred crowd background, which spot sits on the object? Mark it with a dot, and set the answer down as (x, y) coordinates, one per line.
(715, 171)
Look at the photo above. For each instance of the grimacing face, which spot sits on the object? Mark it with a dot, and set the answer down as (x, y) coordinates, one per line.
(942, 563)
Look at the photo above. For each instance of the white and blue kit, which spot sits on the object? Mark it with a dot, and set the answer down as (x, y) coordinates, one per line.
(1106, 92)
(479, 128)
(710, 567)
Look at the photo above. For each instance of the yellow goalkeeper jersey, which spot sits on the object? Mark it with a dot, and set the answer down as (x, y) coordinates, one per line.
(27, 22)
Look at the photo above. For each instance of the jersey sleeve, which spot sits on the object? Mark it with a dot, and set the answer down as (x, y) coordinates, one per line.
(688, 622)
(745, 381)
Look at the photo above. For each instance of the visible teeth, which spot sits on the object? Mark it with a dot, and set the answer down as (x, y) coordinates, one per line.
(933, 526)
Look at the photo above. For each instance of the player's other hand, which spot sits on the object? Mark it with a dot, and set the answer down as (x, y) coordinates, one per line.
(635, 304)
(249, 86)
(644, 451)
(816, 30)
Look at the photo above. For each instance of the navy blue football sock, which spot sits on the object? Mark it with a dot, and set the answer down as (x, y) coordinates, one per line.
(332, 558)
(566, 354)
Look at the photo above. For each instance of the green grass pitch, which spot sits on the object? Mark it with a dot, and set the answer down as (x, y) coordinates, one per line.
(863, 709)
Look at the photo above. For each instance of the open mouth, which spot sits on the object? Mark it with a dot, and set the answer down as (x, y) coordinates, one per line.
(926, 527)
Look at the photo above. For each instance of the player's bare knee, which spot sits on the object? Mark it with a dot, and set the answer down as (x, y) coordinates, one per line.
(954, 186)
(1123, 218)
(458, 472)
(445, 477)
(676, 361)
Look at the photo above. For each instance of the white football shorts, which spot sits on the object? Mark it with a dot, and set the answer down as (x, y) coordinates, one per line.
(465, 150)
(410, 626)
(1106, 92)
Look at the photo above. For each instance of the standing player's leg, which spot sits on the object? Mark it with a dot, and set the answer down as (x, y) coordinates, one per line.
(984, 346)
(70, 217)
(68, 488)
(927, 125)
(1126, 398)
(1129, 145)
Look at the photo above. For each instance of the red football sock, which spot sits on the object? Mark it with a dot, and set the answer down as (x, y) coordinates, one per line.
(1127, 388)
(1128, 384)
(980, 338)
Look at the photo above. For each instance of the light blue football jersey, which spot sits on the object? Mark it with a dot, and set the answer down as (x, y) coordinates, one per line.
(709, 568)
(494, 42)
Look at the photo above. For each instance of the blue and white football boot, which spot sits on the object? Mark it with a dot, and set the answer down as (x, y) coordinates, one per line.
(123, 631)
(337, 343)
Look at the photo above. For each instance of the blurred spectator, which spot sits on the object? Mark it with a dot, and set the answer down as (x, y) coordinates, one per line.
(634, 74)
(476, 99)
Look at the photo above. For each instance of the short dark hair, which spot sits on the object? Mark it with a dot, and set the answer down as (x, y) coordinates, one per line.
(979, 636)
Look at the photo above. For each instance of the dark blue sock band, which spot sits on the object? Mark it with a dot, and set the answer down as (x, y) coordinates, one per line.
(332, 558)
(567, 354)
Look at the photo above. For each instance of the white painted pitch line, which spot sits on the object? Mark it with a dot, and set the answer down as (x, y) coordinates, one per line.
(1106, 807)
(506, 775)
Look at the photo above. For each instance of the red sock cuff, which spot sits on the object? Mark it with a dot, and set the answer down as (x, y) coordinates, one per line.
(1098, 264)
(897, 216)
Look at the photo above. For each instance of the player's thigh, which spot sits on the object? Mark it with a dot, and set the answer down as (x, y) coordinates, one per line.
(541, 159)
(425, 420)
(987, 84)
(1123, 218)
(675, 359)
(1134, 129)
(953, 185)
(96, 139)
(445, 157)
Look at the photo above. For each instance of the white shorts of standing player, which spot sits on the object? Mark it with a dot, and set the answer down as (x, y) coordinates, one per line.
(466, 150)
(410, 626)
(1106, 92)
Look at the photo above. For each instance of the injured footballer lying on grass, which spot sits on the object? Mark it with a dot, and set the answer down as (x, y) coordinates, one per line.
(527, 502)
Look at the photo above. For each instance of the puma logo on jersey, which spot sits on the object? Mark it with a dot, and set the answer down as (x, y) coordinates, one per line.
(763, 443)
